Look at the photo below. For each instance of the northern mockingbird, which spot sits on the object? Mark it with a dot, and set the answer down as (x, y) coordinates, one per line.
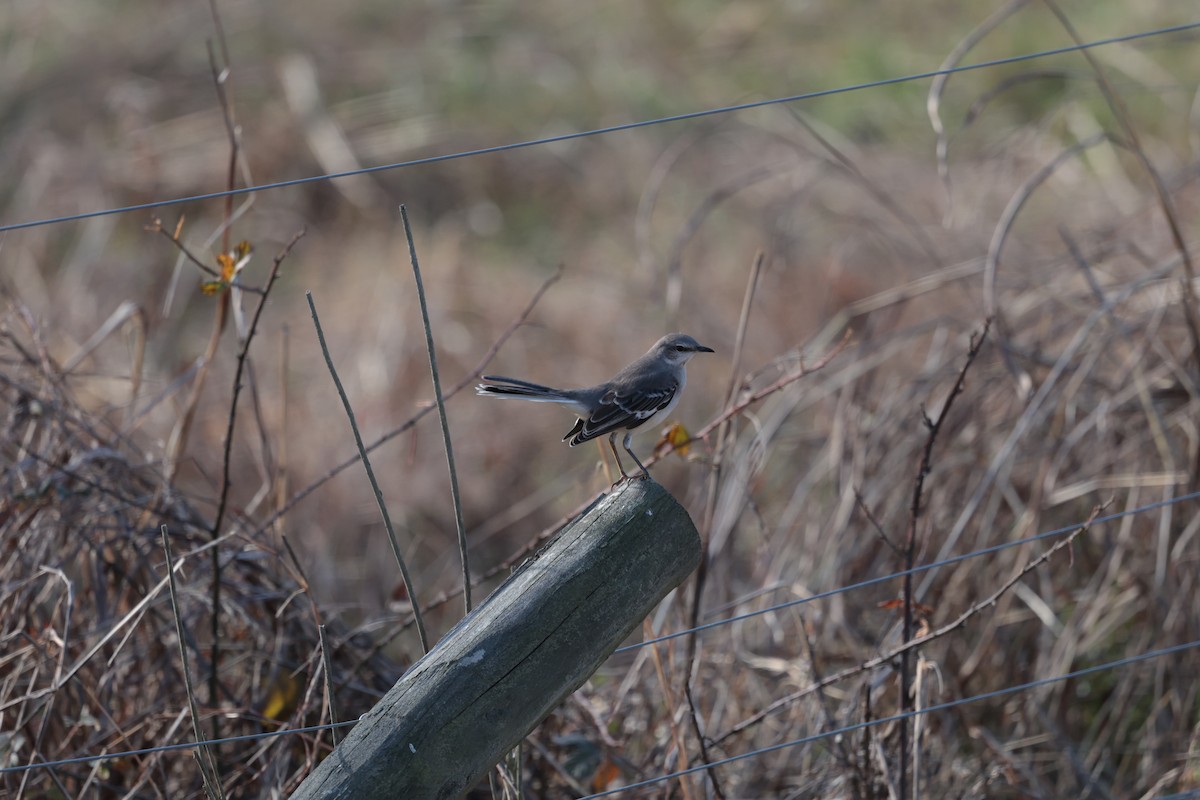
(643, 392)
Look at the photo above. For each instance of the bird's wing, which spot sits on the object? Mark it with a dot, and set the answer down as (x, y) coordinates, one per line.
(620, 408)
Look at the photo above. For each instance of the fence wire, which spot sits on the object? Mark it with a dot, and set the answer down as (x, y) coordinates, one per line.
(739, 618)
(627, 126)
(166, 748)
(1022, 687)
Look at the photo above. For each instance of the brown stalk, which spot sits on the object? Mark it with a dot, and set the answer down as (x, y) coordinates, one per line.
(934, 427)
(226, 467)
(713, 491)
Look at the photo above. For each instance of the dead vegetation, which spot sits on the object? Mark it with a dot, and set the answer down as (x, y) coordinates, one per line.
(90, 660)
(826, 460)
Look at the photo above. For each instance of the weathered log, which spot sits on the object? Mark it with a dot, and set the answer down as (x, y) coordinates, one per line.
(511, 661)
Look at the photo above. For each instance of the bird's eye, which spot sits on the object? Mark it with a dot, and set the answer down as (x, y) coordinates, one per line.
(679, 348)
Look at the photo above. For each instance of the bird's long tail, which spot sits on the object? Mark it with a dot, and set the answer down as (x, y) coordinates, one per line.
(499, 386)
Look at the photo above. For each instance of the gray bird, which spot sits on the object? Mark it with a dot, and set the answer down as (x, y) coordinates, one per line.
(643, 392)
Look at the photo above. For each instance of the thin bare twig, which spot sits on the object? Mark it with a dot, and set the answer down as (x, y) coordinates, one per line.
(204, 756)
(862, 506)
(934, 427)
(279, 495)
(713, 489)
(456, 499)
(326, 664)
(227, 482)
(220, 80)
(366, 461)
(701, 737)
(156, 226)
(243, 354)
(327, 668)
(661, 670)
(843, 753)
(180, 433)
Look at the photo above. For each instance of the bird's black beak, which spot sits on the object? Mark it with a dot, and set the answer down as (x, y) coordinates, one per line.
(702, 349)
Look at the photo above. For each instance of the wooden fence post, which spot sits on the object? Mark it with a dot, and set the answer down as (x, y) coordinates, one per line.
(511, 661)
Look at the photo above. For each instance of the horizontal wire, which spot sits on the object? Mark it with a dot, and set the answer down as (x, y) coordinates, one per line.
(794, 743)
(168, 747)
(822, 595)
(922, 568)
(1129, 37)
(1023, 687)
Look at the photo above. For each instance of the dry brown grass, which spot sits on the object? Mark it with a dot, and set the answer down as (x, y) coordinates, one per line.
(1084, 392)
(90, 661)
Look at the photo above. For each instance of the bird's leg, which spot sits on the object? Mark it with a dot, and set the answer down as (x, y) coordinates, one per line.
(612, 442)
(628, 449)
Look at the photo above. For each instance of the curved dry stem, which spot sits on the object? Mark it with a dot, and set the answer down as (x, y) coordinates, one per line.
(933, 102)
(1166, 202)
(991, 263)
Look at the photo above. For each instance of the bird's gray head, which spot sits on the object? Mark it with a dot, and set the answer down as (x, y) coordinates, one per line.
(678, 348)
